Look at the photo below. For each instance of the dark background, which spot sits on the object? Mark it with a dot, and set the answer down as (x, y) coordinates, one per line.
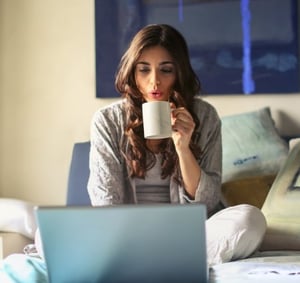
(214, 33)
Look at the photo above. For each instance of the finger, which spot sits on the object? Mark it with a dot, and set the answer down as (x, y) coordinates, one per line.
(184, 118)
(172, 106)
(181, 112)
(183, 127)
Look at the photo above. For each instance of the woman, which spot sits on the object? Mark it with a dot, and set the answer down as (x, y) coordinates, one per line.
(127, 168)
(189, 163)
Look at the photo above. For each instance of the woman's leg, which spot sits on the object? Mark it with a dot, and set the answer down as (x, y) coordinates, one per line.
(234, 233)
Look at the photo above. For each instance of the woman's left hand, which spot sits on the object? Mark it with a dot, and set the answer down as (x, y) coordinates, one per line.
(183, 127)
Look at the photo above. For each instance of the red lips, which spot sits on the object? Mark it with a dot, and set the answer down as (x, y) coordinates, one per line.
(155, 94)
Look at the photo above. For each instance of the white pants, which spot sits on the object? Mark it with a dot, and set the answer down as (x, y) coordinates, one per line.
(234, 233)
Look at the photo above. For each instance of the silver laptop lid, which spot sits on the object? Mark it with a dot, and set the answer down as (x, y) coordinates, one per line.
(128, 243)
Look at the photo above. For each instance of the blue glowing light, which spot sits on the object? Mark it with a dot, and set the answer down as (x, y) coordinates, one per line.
(180, 10)
(248, 83)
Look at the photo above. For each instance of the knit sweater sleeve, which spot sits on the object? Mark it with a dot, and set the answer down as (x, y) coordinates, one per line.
(106, 181)
(208, 137)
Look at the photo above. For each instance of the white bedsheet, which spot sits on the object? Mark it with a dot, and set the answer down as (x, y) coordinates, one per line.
(267, 267)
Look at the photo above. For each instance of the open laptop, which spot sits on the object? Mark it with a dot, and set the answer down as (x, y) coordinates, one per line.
(128, 243)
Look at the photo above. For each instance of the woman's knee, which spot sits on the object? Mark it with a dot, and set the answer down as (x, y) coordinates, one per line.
(236, 231)
(251, 228)
(239, 217)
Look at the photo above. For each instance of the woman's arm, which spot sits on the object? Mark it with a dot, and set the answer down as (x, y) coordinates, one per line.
(190, 172)
(106, 183)
(203, 173)
(183, 128)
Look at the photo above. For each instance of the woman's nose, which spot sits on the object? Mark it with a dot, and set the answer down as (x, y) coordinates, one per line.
(155, 79)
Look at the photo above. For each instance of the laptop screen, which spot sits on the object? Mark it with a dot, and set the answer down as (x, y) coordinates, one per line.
(128, 243)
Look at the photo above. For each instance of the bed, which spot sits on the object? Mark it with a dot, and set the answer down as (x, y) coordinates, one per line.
(263, 267)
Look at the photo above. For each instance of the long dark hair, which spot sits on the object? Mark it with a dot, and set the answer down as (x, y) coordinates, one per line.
(138, 157)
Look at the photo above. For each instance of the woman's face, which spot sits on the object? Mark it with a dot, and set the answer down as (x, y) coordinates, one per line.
(155, 74)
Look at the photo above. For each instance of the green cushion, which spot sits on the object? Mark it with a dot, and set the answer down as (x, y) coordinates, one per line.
(252, 145)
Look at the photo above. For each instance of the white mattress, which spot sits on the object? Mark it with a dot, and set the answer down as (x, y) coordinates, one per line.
(265, 267)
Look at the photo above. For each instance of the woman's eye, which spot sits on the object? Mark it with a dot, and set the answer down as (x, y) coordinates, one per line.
(167, 70)
(143, 70)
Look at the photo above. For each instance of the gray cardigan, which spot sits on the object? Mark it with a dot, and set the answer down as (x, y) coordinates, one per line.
(109, 182)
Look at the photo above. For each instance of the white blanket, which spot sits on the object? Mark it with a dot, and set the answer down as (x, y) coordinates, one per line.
(262, 269)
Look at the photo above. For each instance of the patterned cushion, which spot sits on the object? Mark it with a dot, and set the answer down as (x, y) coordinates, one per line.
(282, 206)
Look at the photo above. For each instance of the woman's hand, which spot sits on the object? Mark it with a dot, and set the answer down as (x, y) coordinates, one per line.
(183, 127)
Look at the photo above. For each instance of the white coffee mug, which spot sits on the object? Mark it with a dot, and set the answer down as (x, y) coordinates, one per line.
(157, 120)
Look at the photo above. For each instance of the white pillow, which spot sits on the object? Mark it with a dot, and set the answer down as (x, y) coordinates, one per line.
(17, 216)
(251, 145)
